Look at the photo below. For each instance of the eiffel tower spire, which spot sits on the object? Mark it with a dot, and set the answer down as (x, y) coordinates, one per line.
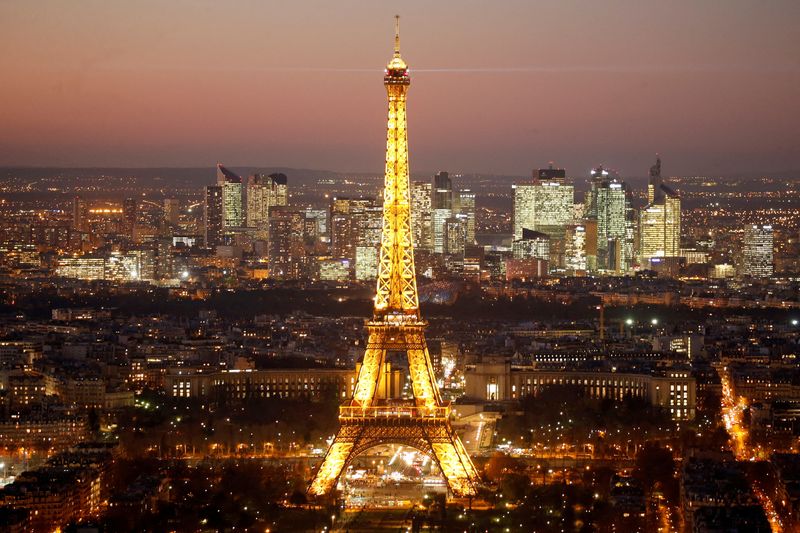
(368, 420)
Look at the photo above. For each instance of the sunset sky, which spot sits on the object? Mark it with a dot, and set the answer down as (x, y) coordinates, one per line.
(497, 86)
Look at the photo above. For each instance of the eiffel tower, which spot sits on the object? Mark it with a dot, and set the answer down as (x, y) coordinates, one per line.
(368, 420)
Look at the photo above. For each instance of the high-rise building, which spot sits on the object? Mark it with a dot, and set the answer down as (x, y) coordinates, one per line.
(286, 249)
(320, 219)
(264, 192)
(757, 251)
(212, 214)
(280, 187)
(442, 206)
(455, 236)
(349, 216)
(608, 203)
(130, 216)
(545, 206)
(575, 260)
(532, 245)
(659, 220)
(80, 214)
(421, 211)
(654, 191)
(524, 207)
(172, 212)
(466, 211)
(442, 191)
(232, 204)
(369, 226)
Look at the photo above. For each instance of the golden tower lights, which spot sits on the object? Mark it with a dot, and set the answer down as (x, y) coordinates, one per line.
(368, 419)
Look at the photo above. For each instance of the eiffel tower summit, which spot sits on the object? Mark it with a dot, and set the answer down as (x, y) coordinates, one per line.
(370, 419)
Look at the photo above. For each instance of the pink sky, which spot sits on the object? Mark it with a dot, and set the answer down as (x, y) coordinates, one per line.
(496, 86)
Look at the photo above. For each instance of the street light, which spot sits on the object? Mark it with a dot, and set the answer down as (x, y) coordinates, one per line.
(654, 321)
(795, 321)
(629, 321)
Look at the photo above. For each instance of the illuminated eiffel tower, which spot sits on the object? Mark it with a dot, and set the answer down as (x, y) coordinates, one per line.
(368, 420)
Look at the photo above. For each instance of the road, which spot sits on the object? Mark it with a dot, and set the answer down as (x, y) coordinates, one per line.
(383, 519)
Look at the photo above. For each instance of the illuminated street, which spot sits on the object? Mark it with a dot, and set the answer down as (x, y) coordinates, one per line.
(732, 411)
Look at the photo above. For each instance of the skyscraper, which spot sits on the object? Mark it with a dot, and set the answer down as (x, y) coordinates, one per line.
(212, 214)
(347, 217)
(757, 250)
(232, 205)
(286, 249)
(280, 188)
(130, 216)
(442, 205)
(455, 236)
(172, 212)
(264, 192)
(545, 206)
(608, 203)
(659, 220)
(575, 257)
(80, 214)
(466, 211)
(421, 205)
(532, 245)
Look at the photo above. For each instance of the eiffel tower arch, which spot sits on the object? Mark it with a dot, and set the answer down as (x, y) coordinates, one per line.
(367, 420)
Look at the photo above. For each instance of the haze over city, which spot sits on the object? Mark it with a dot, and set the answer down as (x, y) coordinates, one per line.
(316, 267)
(498, 85)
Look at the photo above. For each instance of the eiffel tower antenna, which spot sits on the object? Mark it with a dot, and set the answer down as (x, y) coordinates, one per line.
(369, 418)
(397, 35)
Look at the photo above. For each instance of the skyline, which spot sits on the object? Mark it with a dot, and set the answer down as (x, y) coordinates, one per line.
(190, 85)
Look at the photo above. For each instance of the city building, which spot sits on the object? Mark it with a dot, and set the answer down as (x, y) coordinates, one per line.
(212, 216)
(466, 211)
(757, 251)
(286, 250)
(531, 245)
(659, 221)
(421, 211)
(608, 204)
(172, 212)
(442, 206)
(232, 198)
(264, 192)
(498, 379)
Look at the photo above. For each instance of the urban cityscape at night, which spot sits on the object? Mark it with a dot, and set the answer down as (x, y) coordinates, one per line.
(231, 299)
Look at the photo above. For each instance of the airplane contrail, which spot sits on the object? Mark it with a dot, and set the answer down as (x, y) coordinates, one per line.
(622, 69)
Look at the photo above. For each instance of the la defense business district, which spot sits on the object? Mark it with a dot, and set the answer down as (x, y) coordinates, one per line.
(292, 350)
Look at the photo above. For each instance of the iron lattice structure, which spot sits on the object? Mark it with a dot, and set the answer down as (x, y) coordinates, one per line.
(366, 420)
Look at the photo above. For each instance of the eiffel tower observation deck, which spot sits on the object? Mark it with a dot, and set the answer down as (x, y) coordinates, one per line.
(368, 419)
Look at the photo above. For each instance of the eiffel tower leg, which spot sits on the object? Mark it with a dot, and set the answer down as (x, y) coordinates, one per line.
(370, 373)
(337, 457)
(419, 367)
(454, 463)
